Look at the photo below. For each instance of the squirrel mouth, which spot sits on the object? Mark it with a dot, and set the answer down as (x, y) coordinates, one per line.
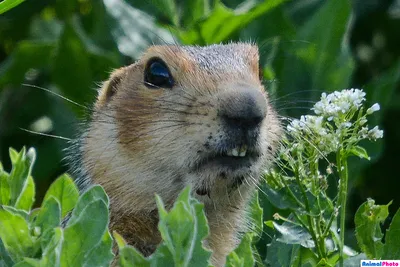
(230, 160)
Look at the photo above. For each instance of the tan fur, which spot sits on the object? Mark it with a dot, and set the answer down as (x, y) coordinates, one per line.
(143, 141)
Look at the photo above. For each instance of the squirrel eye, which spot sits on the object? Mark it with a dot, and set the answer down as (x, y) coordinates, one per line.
(157, 75)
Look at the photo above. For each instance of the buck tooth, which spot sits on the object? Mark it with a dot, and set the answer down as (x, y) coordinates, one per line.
(235, 152)
(242, 153)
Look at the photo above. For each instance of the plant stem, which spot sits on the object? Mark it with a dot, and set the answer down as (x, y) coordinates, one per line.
(310, 220)
(343, 174)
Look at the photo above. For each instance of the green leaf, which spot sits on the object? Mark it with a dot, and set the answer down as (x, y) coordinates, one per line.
(22, 164)
(132, 41)
(391, 249)
(130, 257)
(182, 228)
(94, 193)
(14, 232)
(282, 255)
(101, 255)
(85, 233)
(184, 242)
(28, 262)
(359, 152)
(223, 22)
(49, 215)
(368, 232)
(5, 191)
(6, 5)
(293, 234)
(243, 255)
(51, 247)
(27, 196)
(279, 198)
(5, 259)
(65, 191)
(119, 240)
(13, 210)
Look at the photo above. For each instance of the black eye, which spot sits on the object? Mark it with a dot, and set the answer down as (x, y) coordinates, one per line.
(157, 75)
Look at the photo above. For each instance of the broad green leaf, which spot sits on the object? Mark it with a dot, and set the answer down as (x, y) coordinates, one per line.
(65, 191)
(359, 152)
(391, 249)
(132, 41)
(94, 193)
(27, 196)
(282, 255)
(5, 191)
(22, 166)
(243, 255)
(15, 234)
(368, 221)
(279, 198)
(49, 215)
(51, 247)
(9, 4)
(293, 234)
(5, 259)
(223, 22)
(101, 255)
(84, 234)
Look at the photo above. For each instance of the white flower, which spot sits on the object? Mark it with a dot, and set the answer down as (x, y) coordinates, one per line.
(375, 107)
(363, 133)
(307, 124)
(375, 133)
(336, 103)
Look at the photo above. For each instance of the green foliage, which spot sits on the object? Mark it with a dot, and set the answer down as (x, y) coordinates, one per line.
(40, 238)
(36, 237)
(368, 220)
(9, 4)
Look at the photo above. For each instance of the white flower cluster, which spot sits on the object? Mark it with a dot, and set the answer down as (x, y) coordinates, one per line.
(337, 103)
(336, 120)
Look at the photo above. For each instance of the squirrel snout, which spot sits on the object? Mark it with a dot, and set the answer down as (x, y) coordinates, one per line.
(243, 108)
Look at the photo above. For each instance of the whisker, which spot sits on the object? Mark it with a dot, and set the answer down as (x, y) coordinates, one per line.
(47, 135)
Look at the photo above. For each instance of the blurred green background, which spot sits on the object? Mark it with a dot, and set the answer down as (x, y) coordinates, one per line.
(306, 47)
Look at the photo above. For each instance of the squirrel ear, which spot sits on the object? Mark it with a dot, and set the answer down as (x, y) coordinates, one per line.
(110, 87)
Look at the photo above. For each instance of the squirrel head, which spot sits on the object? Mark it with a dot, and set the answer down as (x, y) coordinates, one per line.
(182, 115)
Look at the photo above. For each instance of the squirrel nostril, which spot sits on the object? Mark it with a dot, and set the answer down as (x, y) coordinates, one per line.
(243, 121)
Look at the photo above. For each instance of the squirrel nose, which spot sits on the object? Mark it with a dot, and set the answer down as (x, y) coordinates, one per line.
(244, 108)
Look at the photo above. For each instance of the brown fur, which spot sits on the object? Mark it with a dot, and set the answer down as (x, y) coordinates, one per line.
(143, 141)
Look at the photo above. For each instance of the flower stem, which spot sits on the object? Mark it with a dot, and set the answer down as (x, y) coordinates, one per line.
(343, 173)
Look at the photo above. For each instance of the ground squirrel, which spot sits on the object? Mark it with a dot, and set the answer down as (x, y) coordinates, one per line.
(181, 115)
